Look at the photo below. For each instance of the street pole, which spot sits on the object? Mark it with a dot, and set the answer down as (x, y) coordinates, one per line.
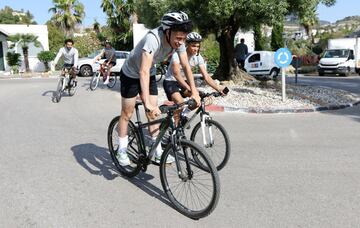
(283, 91)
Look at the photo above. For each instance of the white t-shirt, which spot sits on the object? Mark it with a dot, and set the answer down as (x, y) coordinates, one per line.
(195, 60)
(154, 43)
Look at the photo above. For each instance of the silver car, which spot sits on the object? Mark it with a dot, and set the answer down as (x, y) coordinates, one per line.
(87, 67)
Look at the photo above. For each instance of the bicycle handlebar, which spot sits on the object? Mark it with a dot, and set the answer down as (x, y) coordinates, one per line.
(191, 103)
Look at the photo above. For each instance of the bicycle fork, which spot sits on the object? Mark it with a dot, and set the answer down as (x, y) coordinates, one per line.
(175, 146)
(206, 127)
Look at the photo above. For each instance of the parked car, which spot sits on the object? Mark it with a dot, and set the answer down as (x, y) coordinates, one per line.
(261, 64)
(87, 67)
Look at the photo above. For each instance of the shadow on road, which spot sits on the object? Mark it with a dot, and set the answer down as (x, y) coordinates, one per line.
(97, 161)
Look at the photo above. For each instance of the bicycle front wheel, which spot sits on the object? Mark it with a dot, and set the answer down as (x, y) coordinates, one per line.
(132, 150)
(95, 81)
(58, 92)
(72, 87)
(194, 191)
(112, 81)
(215, 140)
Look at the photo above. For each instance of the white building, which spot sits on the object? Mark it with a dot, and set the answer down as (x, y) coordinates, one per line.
(38, 30)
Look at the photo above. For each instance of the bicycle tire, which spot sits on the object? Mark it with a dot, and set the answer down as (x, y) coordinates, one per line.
(219, 153)
(198, 209)
(72, 87)
(58, 92)
(94, 81)
(133, 150)
(112, 81)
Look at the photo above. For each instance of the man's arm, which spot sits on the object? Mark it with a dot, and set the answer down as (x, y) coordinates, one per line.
(208, 79)
(189, 75)
(58, 56)
(146, 61)
(76, 57)
(98, 57)
(179, 78)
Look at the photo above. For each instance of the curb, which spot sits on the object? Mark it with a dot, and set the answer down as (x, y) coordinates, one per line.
(220, 108)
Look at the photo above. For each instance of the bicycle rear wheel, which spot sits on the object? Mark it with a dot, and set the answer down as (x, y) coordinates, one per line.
(112, 81)
(95, 81)
(195, 192)
(217, 146)
(132, 150)
(58, 92)
(72, 87)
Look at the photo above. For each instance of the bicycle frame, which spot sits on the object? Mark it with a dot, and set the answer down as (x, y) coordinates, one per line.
(165, 122)
(203, 116)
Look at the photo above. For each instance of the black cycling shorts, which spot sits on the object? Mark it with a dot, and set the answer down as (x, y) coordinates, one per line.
(112, 62)
(68, 66)
(171, 87)
(130, 87)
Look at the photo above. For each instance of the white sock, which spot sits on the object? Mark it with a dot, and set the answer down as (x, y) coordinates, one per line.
(123, 143)
(158, 150)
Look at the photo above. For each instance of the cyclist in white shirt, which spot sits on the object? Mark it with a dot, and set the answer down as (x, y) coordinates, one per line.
(175, 85)
(71, 58)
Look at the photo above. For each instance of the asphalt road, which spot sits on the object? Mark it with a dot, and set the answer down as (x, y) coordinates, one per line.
(351, 83)
(286, 170)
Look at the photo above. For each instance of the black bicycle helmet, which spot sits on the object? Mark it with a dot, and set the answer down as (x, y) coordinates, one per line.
(193, 37)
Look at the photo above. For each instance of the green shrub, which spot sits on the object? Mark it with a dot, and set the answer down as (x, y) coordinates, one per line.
(210, 50)
(46, 57)
(13, 60)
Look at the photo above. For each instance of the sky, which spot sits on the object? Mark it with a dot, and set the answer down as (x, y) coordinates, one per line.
(39, 8)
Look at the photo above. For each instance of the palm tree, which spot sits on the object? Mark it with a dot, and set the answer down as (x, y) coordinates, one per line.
(67, 14)
(24, 40)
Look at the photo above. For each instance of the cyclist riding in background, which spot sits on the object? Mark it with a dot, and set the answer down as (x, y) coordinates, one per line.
(175, 85)
(156, 46)
(71, 58)
(109, 53)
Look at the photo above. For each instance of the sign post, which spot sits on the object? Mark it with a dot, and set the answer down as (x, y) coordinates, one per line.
(283, 58)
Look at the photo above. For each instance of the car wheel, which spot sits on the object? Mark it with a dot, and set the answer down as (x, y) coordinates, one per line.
(86, 71)
(274, 74)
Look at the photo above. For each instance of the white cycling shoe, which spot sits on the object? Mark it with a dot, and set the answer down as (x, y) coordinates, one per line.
(123, 159)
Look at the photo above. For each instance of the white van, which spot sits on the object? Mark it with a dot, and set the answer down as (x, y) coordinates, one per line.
(261, 64)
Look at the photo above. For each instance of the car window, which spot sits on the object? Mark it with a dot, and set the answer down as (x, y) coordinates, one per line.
(254, 58)
(121, 55)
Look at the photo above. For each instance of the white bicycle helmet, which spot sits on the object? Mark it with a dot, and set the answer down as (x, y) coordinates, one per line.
(193, 37)
(176, 20)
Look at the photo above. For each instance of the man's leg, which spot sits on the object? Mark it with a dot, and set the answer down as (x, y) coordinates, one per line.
(127, 109)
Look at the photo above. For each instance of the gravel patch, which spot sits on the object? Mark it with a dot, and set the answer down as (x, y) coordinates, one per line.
(270, 98)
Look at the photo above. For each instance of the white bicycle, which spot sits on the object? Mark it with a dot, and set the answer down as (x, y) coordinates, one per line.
(96, 78)
(66, 82)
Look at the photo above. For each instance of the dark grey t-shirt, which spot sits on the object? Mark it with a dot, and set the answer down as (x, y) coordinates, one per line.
(108, 52)
(153, 43)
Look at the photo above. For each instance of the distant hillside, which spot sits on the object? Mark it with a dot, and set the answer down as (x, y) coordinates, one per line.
(348, 19)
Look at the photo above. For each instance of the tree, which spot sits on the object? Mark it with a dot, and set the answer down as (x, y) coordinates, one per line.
(277, 37)
(67, 14)
(119, 13)
(259, 38)
(24, 40)
(224, 18)
(10, 16)
(56, 37)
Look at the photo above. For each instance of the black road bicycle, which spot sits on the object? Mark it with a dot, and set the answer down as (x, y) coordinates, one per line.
(66, 82)
(192, 189)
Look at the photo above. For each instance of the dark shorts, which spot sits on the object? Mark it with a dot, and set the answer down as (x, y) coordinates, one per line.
(130, 87)
(112, 62)
(68, 66)
(171, 87)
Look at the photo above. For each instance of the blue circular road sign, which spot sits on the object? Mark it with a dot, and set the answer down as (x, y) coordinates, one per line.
(283, 57)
